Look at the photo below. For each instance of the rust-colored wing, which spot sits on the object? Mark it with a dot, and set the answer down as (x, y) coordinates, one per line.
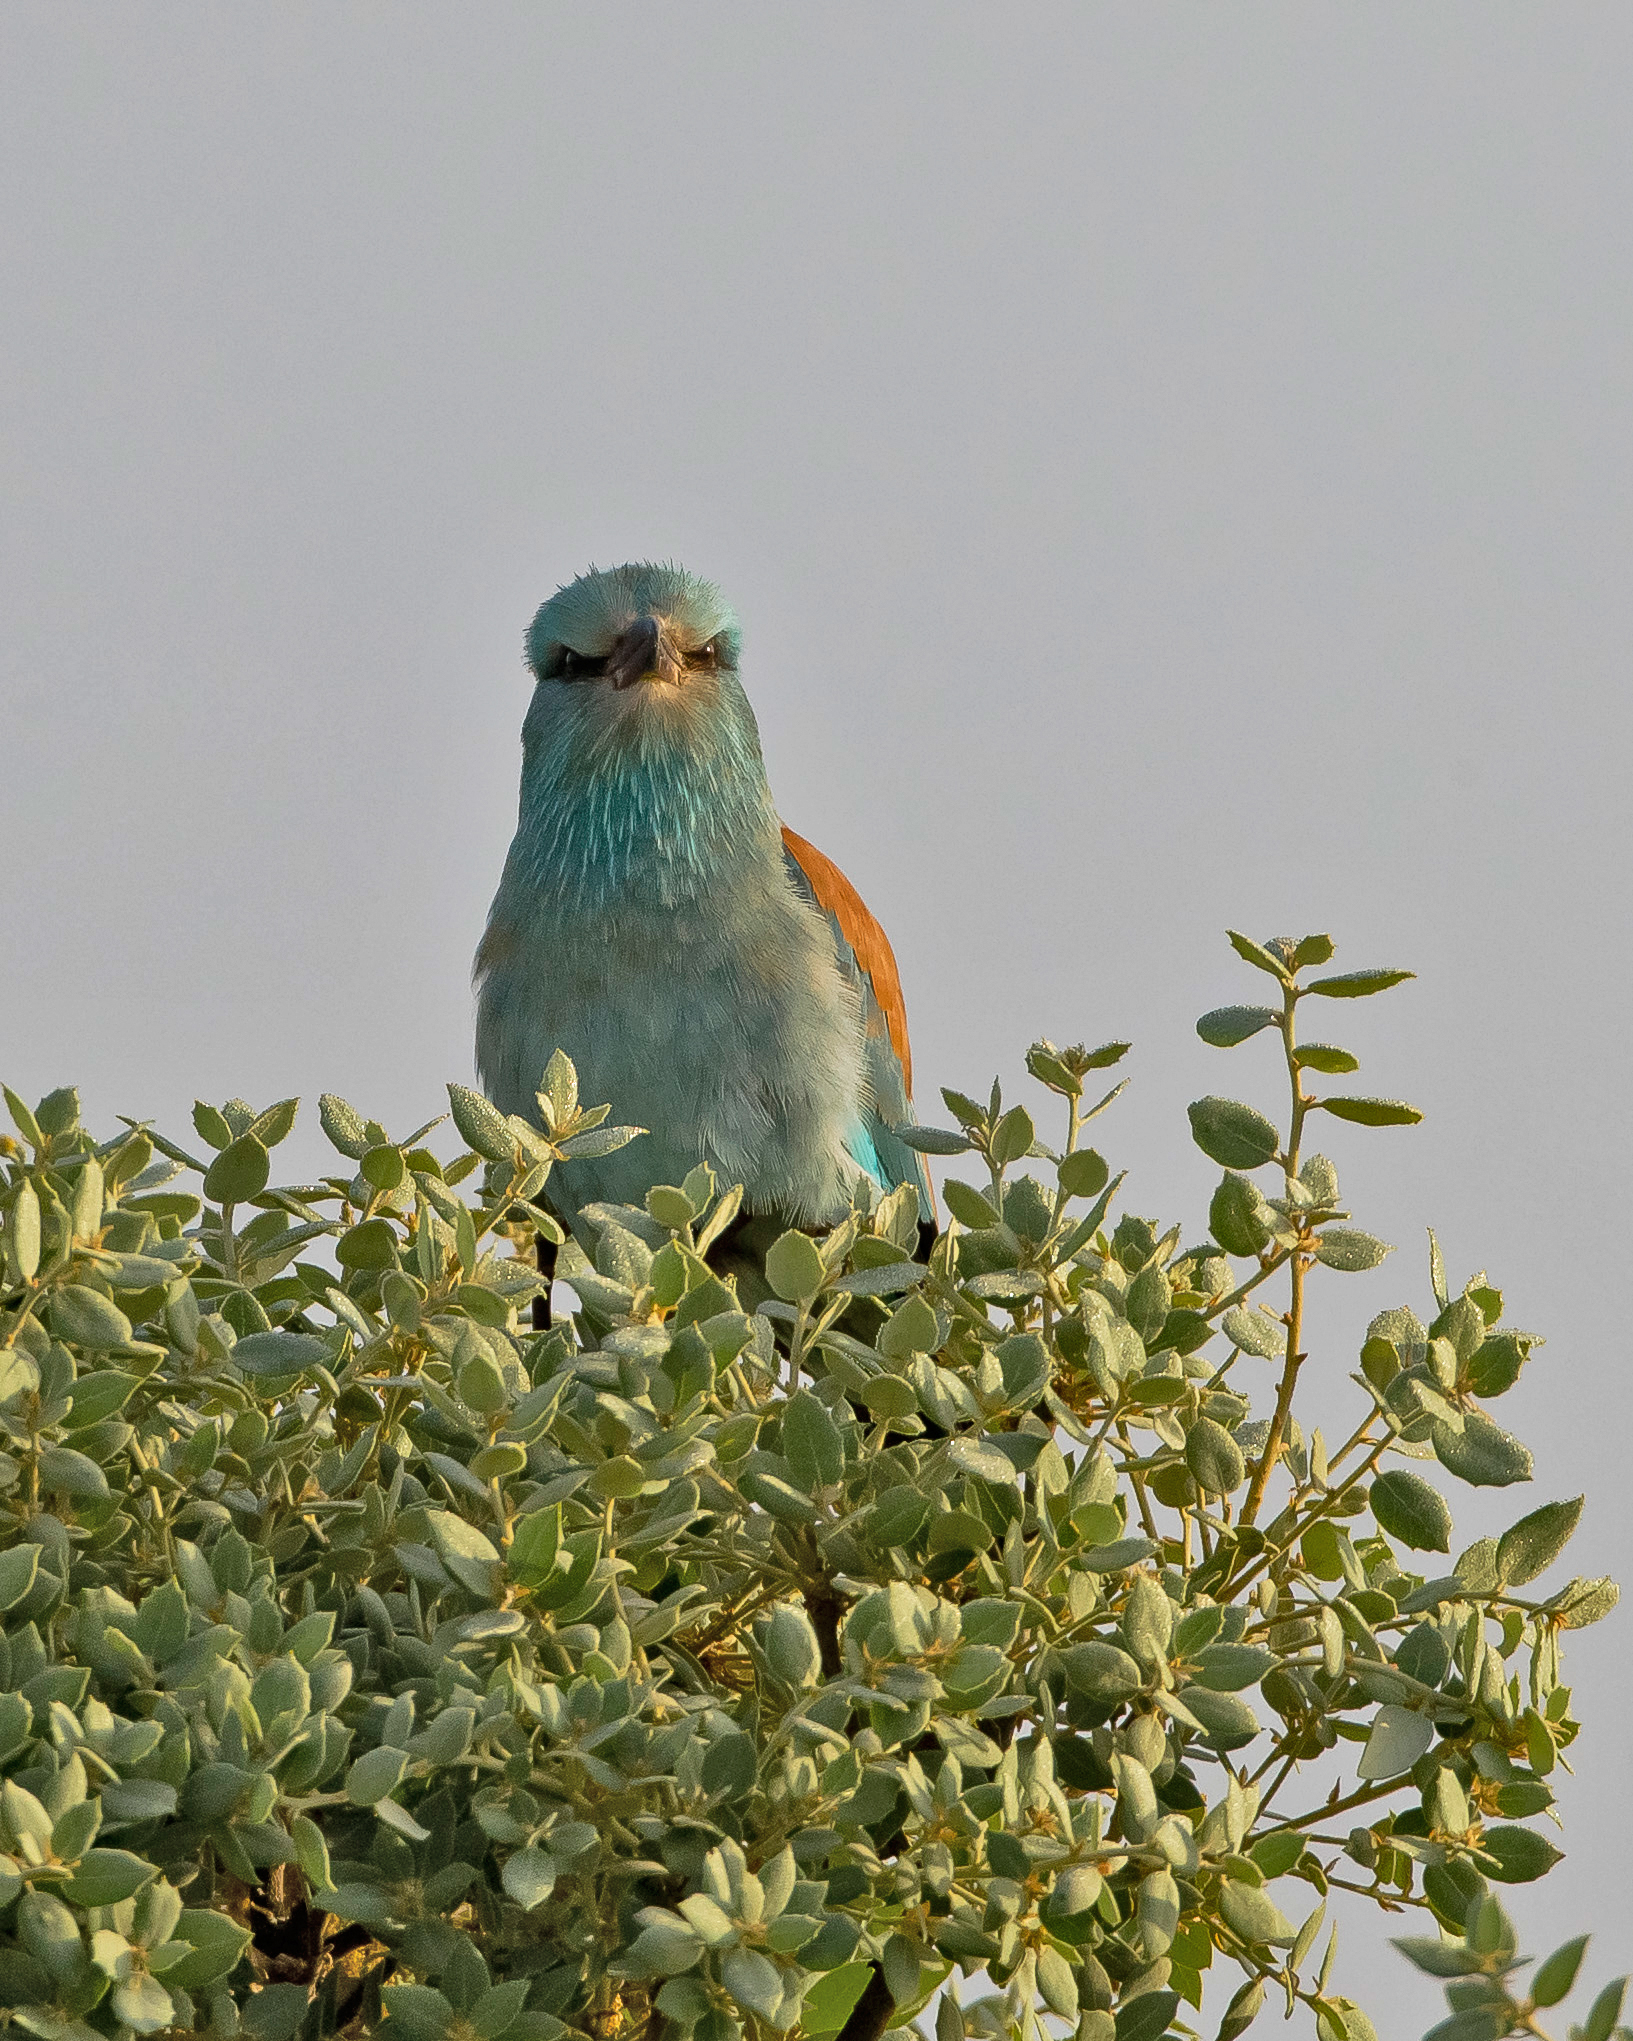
(836, 895)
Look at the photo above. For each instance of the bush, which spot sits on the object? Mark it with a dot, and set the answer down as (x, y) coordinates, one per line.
(370, 1655)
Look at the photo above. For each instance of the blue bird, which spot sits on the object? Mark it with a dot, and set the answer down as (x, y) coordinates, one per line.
(709, 972)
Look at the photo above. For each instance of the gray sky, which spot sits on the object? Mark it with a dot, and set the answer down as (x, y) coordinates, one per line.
(1172, 466)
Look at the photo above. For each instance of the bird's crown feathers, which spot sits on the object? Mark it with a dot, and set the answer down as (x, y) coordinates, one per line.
(588, 614)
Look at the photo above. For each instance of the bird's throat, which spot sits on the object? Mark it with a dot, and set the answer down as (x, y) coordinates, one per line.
(642, 812)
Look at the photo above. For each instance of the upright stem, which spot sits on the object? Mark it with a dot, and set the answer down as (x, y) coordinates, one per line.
(1299, 1264)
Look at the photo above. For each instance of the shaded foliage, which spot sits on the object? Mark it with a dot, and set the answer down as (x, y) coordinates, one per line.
(370, 1656)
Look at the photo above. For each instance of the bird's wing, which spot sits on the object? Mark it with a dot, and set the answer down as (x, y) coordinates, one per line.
(866, 956)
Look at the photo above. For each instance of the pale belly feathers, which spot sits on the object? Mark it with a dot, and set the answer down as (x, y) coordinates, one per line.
(722, 1024)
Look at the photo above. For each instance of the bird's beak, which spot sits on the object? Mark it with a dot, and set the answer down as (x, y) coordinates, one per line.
(642, 652)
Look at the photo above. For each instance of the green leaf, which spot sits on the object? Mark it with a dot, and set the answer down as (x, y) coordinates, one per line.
(1275, 1855)
(1587, 1601)
(1013, 1137)
(1057, 1985)
(1245, 2006)
(65, 1472)
(1481, 1453)
(84, 1317)
(280, 1353)
(384, 1167)
(1440, 1959)
(1255, 1332)
(1260, 958)
(467, 1555)
(1399, 1737)
(1104, 1672)
(370, 1244)
(1118, 1556)
(74, 1829)
(530, 1877)
(1312, 949)
(897, 1518)
(276, 1124)
(104, 1877)
(1356, 984)
(535, 1546)
(794, 1267)
(22, 1118)
(313, 1852)
(1147, 1620)
(1237, 1216)
(1323, 1056)
(1228, 1668)
(239, 1172)
(779, 1498)
(1082, 1174)
(812, 1444)
(730, 1766)
(1045, 1064)
(145, 2006)
(211, 1124)
(446, 1738)
(344, 1126)
(888, 1280)
(58, 1111)
(1249, 1911)
(1533, 1544)
(1496, 1364)
(358, 1902)
(481, 1125)
(18, 1567)
(558, 1094)
(481, 1386)
(374, 1775)
(598, 1141)
(1233, 1135)
(1605, 2012)
(790, 1645)
(1147, 2017)
(1228, 1025)
(910, 1329)
(1557, 1973)
(276, 2012)
(98, 1396)
(975, 1456)
(1348, 1249)
(930, 1141)
(1214, 1458)
(1520, 1853)
(1411, 1511)
(829, 2002)
(1228, 1720)
(1371, 1112)
(418, 2012)
(23, 1230)
(967, 1205)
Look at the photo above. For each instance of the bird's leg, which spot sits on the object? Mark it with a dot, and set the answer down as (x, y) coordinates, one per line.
(547, 1269)
(871, 2014)
(826, 1609)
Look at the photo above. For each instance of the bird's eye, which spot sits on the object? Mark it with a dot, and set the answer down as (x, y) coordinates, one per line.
(564, 663)
(705, 655)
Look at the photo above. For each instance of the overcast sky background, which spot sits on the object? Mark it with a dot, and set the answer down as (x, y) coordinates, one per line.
(1172, 465)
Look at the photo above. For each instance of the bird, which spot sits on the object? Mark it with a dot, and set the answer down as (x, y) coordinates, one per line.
(709, 972)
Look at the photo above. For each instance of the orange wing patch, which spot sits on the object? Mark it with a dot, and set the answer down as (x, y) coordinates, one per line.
(838, 897)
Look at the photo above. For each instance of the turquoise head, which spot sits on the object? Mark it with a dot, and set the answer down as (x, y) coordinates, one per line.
(640, 750)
